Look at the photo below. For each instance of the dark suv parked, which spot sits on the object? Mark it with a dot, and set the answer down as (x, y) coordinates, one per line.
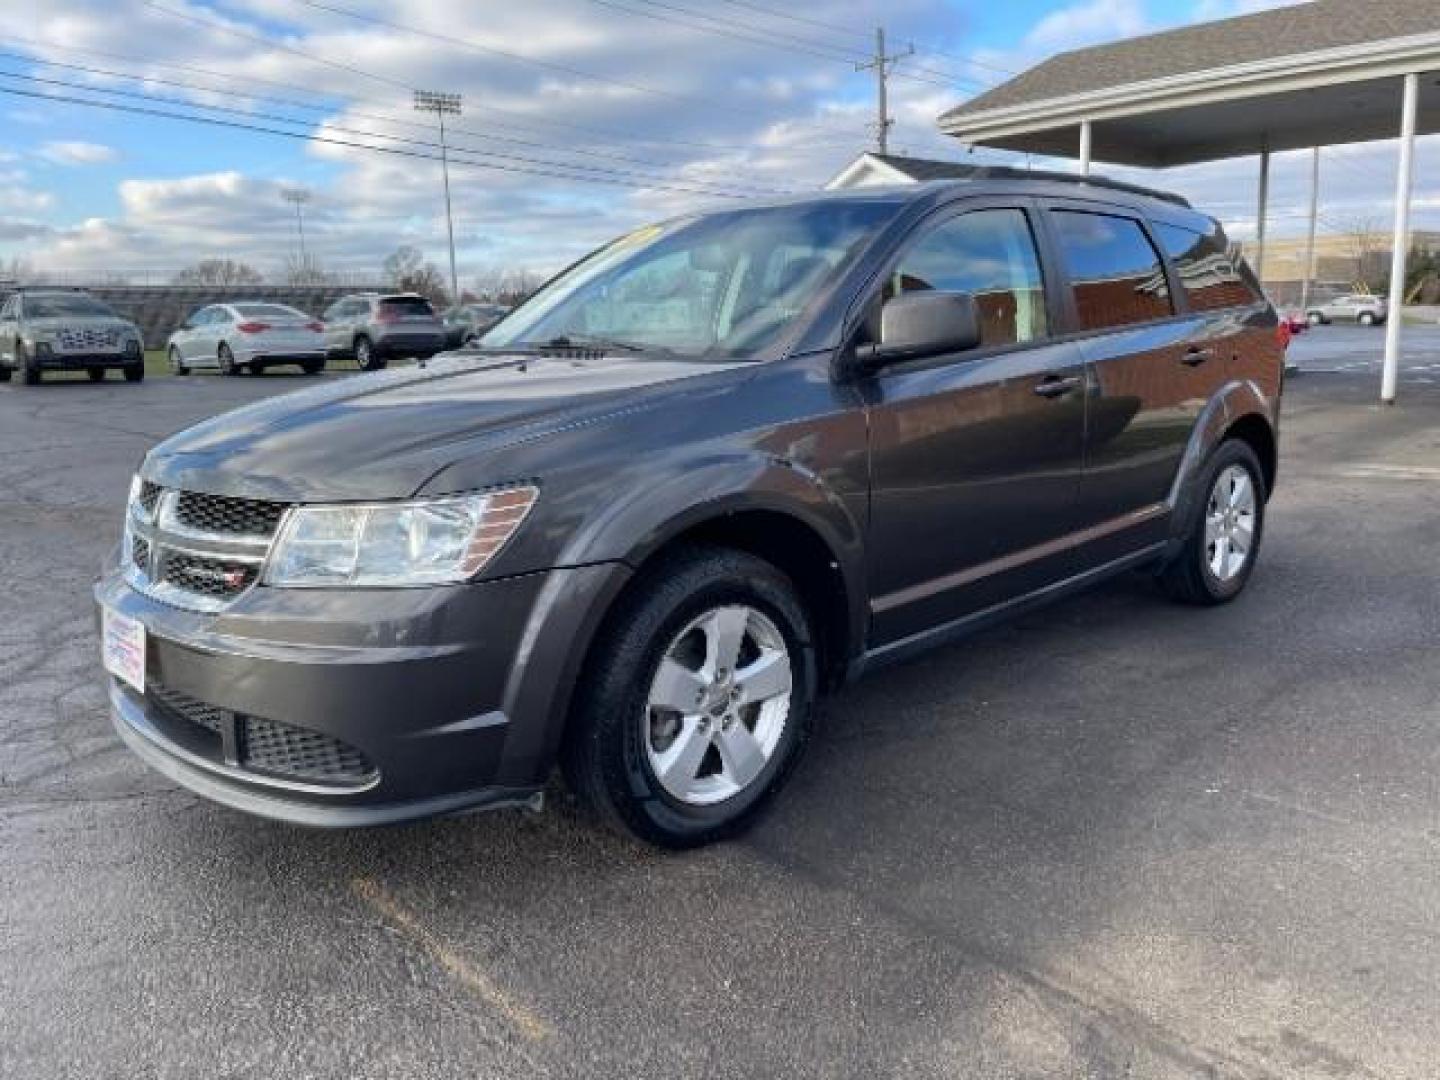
(706, 474)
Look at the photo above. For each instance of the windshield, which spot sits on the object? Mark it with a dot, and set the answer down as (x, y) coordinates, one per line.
(722, 286)
(58, 307)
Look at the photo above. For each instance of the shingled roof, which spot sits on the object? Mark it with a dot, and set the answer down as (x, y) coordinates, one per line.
(1266, 35)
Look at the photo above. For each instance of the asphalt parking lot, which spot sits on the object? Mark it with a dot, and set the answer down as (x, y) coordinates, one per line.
(1116, 838)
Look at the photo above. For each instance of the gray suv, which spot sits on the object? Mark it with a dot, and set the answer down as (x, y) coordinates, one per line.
(1362, 308)
(707, 474)
(66, 330)
(375, 328)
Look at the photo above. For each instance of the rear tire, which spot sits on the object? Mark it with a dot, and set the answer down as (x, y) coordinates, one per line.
(31, 371)
(1366, 319)
(1210, 569)
(227, 361)
(135, 372)
(735, 741)
(1315, 318)
(5, 373)
(312, 367)
(96, 374)
(366, 358)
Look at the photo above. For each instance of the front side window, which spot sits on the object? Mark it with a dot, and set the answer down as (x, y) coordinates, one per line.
(724, 286)
(1114, 270)
(1208, 272)
(989, 254)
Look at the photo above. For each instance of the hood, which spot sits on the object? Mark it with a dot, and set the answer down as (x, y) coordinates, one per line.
(382, 435)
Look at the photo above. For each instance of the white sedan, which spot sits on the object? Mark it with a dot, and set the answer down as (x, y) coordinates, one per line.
(247, 337)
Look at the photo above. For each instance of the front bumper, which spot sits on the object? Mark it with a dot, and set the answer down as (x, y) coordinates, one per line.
(53, 361)
(454, 696)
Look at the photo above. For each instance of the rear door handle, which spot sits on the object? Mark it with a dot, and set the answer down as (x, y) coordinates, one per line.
(1053, 386)
(1195, 356)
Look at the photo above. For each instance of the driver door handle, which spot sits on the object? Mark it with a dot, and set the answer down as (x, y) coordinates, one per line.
(1195, 356)
(1053, 386)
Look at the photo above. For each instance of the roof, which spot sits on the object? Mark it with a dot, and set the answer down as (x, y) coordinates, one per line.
(1265, 35)
(923, 169)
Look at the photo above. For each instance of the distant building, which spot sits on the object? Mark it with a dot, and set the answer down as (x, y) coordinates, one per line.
(877, 170)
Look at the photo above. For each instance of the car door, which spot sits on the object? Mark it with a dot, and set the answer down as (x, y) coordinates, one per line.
(184, 336)
(1151, 365)
(975, 456)
(340, 326)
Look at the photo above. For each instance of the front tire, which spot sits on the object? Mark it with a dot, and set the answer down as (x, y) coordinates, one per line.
(30, 370)
(1366, 319)
(697, 699)
(1315, 318)
(312, 367)
(1225, 527)
(134, 372)
(177, 364)
(96, 374)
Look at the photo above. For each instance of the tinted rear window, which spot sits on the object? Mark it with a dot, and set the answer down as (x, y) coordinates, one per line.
(274, 312)
(1210, 275)
(408, 305)
(1114, 269)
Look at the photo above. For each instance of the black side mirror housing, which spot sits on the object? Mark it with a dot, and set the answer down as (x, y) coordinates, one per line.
(919, 324)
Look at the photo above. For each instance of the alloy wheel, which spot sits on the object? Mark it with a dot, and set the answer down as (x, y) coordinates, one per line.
(718, 705)
(1230, 523)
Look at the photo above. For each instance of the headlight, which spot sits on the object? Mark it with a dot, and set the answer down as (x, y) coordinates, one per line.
(431, 542)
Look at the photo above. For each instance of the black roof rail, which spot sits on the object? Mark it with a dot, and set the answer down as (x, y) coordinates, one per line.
(1010, 172)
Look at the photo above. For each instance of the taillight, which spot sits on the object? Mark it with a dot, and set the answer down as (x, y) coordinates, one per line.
(252, 327)
(318, 327)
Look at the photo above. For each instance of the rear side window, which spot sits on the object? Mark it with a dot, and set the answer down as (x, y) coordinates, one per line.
(1114, 269)
(1209, 274)
(989, 254)
(267, 311)
(407, 305)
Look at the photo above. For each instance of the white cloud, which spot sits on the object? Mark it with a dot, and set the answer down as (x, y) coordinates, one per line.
(74, 152)
(1086, 24)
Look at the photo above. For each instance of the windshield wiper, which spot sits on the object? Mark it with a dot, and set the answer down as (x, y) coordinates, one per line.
(591, 341)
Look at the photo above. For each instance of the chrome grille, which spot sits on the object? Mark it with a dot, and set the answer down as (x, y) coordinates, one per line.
(84, 339)
(195, 550)
(221, 514)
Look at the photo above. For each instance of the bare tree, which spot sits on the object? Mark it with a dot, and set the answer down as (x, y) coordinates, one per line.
(18, 271)
(305, 270)
(502, 285)
(219, 272)
(407, 268)
(1366, 244)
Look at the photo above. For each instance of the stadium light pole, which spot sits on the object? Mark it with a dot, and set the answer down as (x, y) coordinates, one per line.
(443, 105)
(298, 196)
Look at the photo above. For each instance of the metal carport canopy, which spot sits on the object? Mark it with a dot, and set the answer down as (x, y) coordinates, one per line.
(1314, 74)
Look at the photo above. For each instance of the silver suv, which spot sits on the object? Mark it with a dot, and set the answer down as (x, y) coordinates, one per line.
(1362, 308)
(374, 327)
(66, 330)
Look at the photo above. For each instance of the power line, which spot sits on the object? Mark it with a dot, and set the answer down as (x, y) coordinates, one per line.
(516, 57)
(327, 140)
(529, 121)
(583, 171)
(294, 104)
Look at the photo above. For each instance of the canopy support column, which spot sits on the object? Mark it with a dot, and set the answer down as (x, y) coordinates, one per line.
(1263, 200)
(1084, 147)
(1400, 243)
(1310, 240)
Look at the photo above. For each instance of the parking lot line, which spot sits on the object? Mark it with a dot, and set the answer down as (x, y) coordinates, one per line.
(529, 1024)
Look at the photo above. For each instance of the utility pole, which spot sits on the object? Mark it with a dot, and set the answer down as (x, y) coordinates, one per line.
(882, 65)
(298, 196)
(443, 105)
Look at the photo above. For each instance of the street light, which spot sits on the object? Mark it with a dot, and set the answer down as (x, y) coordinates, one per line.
(443, 105)
(298, 196)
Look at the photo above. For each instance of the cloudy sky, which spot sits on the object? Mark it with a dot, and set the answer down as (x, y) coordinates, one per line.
(581, 118)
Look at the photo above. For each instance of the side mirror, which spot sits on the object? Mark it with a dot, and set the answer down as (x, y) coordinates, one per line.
(920, 324)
